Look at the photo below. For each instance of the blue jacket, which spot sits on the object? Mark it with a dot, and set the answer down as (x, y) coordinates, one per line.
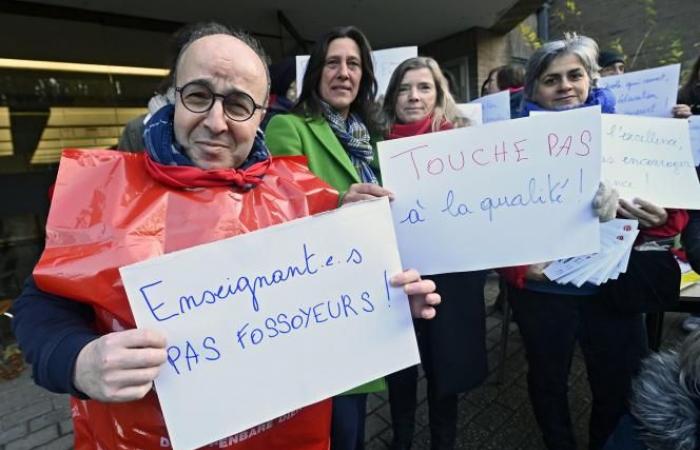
(51, 331)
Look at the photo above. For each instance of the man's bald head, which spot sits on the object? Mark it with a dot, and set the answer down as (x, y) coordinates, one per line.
(193, 32)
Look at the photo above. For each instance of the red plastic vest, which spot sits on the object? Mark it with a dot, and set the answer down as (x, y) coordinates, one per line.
(107, 212)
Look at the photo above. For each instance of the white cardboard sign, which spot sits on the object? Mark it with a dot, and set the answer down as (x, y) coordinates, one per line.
(279, 319)
(694, 130)
(650, 92)
(496, 107)
(385, 61)
(503, 194)
(650, 158)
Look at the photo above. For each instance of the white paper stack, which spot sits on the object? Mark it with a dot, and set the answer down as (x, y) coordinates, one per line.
(616, 240)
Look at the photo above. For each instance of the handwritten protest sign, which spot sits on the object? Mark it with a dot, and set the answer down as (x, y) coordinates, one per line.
(495, 106)
(502, 194)
(385, 61)
(265, 323)
(650, 158)
(471, 112)
(650, 92)
(694, 130)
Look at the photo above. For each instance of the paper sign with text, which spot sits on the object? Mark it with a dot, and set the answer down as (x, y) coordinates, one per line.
(694, 130)
(650, 158)
(495, 107)
(265, 323)
(503, 194)
(472, 112)
(385, 61)
(650, 92)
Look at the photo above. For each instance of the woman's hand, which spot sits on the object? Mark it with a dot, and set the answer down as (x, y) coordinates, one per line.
(365, 191)
(605, 202)
(421, 293)
(536, 271)
(120, 366)
(648, 214)
(681, 111)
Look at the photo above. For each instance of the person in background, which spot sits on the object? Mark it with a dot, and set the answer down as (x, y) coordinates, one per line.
(512, 78)
(453, 350)
(611, 62)
(552, 317)
(334, 124)
(282, 89)
(665, 402)
(689, 94)
(688, 105)
(490, 85)
(131, 139)
(207, 144)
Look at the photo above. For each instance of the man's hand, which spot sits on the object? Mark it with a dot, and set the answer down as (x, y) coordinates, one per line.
(421, 293)
(681, 111)
(120, 366)
(648, 214)
(365, 191)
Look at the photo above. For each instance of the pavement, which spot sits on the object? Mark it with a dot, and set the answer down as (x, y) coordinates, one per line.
(494, 416)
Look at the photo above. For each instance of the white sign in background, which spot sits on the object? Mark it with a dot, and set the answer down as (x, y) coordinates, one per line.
(254, 334)
(496, 107)
(650, 158)
(650, 92)
(503, 194)
(385, 61)
(694, 130)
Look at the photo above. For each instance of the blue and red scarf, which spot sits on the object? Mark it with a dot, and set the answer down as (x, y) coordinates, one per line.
(168, 163)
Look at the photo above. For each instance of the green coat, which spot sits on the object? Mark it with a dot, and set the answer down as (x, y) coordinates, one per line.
(289, 134)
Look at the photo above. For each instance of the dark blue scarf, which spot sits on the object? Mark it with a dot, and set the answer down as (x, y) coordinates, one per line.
(167, 162)
(162, 147)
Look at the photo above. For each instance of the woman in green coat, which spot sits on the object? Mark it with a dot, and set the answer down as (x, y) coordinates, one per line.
(332, 125)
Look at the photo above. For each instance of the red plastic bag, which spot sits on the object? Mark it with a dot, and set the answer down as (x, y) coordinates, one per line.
(108, 212)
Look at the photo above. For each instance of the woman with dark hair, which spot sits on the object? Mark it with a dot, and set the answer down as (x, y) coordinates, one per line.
(333, 126)
(689, 94)
(551, 317)
(490, 85)
(453, 350)
(512, 78)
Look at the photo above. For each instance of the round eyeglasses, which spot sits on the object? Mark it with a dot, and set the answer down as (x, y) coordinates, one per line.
(199, 98)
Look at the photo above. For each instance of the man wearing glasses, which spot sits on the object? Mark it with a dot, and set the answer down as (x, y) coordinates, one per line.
(73, 321)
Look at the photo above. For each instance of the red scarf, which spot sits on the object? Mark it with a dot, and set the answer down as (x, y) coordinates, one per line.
(423, 126)
(192, 177)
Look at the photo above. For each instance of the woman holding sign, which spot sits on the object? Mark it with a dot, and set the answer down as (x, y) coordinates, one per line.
(552, 317)
(332, 125)
(453, 349)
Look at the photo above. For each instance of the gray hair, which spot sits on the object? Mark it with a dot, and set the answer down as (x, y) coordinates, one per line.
(445, 108)
(585, 48)
(184, 37)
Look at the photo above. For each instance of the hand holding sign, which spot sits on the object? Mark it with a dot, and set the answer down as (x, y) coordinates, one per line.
(648, 214)
(120, 366)
(272, 331)
(421, 293)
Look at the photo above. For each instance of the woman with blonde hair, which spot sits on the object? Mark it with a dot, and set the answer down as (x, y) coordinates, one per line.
(453, 348)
